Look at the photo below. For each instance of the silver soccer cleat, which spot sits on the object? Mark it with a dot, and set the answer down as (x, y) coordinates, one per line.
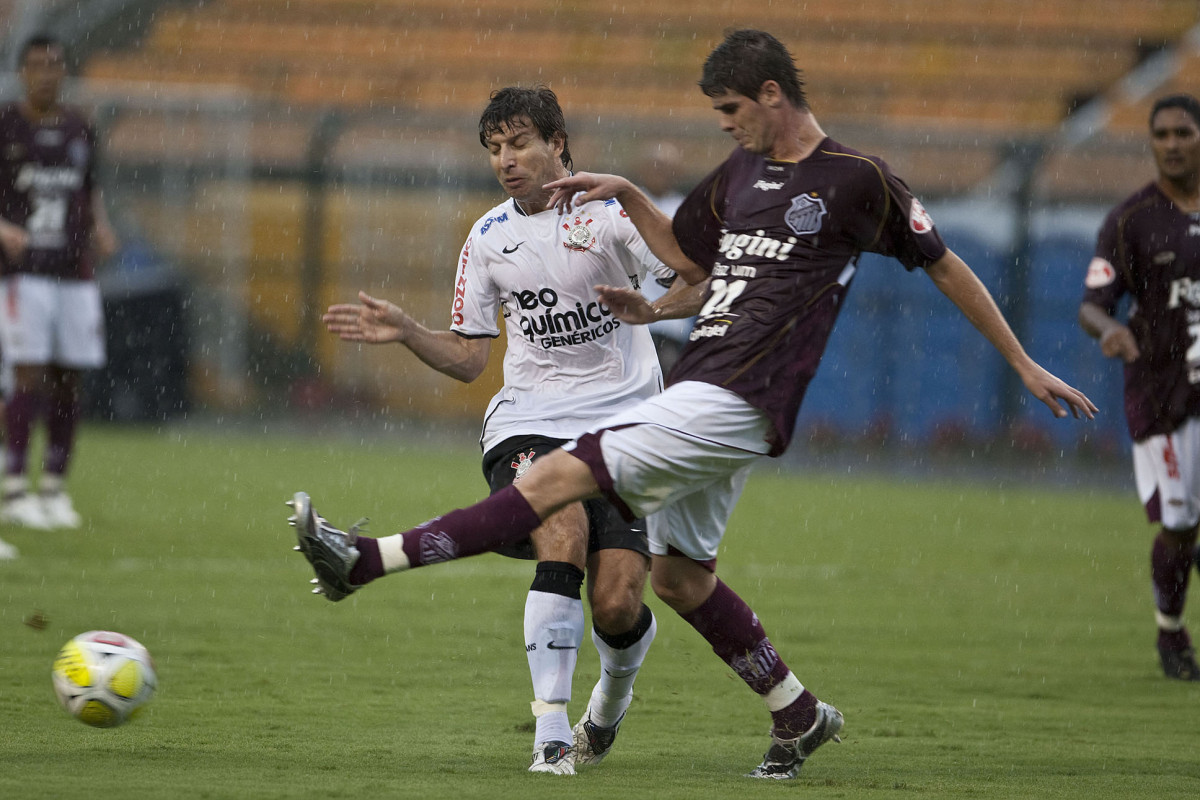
(330, 551)
(786, 756)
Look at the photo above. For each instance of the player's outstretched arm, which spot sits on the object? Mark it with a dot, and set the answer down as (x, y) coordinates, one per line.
(376, 321)
(652, 224)
(956, 280)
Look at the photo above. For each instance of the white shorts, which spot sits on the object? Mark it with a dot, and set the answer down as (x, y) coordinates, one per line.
(1165, 469)
(680, 459)
(51, 321)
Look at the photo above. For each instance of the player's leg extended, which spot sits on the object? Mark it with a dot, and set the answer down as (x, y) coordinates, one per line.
(344, 561)
(554, 632)
(623, 627)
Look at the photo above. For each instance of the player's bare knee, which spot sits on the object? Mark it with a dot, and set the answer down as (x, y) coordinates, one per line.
(616, 613)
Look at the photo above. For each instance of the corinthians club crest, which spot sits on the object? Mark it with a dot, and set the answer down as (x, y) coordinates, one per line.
(522, 465)
(805, 215)
(579, 235)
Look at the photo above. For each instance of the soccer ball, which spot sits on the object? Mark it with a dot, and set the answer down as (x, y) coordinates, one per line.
(103, 678)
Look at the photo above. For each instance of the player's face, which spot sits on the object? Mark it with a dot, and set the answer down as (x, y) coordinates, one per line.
(524, 162)
(42, 74)
(745, 120)
(1175, 140)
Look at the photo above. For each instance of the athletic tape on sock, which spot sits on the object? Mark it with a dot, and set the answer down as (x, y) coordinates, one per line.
(1167, 623)
(541, 707)
(391, 553)
(784, 693)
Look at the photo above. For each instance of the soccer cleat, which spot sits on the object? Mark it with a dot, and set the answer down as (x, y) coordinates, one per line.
(7, 551)
(59, 512)
(786, 756)
(24, 509)
(556, 758)
(592, 743)
(330, 551)
(1179, 664)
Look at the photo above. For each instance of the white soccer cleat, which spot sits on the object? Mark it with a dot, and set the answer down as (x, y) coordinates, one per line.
(593, 743)
(555, 758)
(59, 512)
(7, 551)
(26, 511)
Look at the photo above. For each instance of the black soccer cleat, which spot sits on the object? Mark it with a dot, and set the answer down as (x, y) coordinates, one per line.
(1179, 665)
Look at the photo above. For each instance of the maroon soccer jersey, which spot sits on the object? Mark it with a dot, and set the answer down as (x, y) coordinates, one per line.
(1149, 249)
(781, 241)
(46, 180)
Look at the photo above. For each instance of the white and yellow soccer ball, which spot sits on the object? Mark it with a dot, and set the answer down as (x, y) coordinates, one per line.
(103, 678)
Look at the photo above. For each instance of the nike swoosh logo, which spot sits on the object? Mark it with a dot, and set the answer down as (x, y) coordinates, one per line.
(554, 646)
(513, 249)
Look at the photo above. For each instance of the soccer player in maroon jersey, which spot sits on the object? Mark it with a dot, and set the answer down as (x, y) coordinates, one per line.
(1149, 248)
(52, 226)
(776, 230)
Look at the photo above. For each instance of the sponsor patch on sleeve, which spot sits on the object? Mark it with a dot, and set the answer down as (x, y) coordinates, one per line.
(918, 218)
(1100, 273)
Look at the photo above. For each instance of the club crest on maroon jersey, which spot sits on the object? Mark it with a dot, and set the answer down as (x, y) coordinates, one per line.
(805, 215)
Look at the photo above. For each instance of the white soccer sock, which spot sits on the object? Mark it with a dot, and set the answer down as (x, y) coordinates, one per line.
(618, 669)
(553, 633)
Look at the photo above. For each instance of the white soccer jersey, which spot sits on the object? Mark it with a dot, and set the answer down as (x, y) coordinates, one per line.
(569, 362)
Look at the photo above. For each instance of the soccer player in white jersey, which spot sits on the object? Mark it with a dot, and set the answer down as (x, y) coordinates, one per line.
(568, 363)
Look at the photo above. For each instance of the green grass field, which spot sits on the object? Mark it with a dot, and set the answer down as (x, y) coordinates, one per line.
(982, 642)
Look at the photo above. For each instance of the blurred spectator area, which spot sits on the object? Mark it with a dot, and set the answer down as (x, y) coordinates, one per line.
(286, 153)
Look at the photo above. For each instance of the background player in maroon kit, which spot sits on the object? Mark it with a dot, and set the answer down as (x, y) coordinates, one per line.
(52, 227)
(1149, 248)
(777, 230)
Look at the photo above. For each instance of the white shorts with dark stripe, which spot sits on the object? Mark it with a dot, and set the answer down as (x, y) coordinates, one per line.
(1166, 469)
(679, 459)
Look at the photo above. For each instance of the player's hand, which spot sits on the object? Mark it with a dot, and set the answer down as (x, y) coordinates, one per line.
(627, 305)
(1119, 342)
(1054, 393)
(373, 321)
(566, 191)
(14, 239)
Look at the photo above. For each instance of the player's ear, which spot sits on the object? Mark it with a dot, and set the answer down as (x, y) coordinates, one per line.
(770, 94)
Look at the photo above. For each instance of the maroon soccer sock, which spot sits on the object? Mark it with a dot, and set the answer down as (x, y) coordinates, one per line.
(736, 635)
(1171, 558)
(20, 413)
(61, 421)
(503, 518)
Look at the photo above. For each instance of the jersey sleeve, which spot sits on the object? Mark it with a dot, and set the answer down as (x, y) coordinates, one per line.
(476, 301)
(905, 230)
(698, 220)
(643, 258)
(1102, 284)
